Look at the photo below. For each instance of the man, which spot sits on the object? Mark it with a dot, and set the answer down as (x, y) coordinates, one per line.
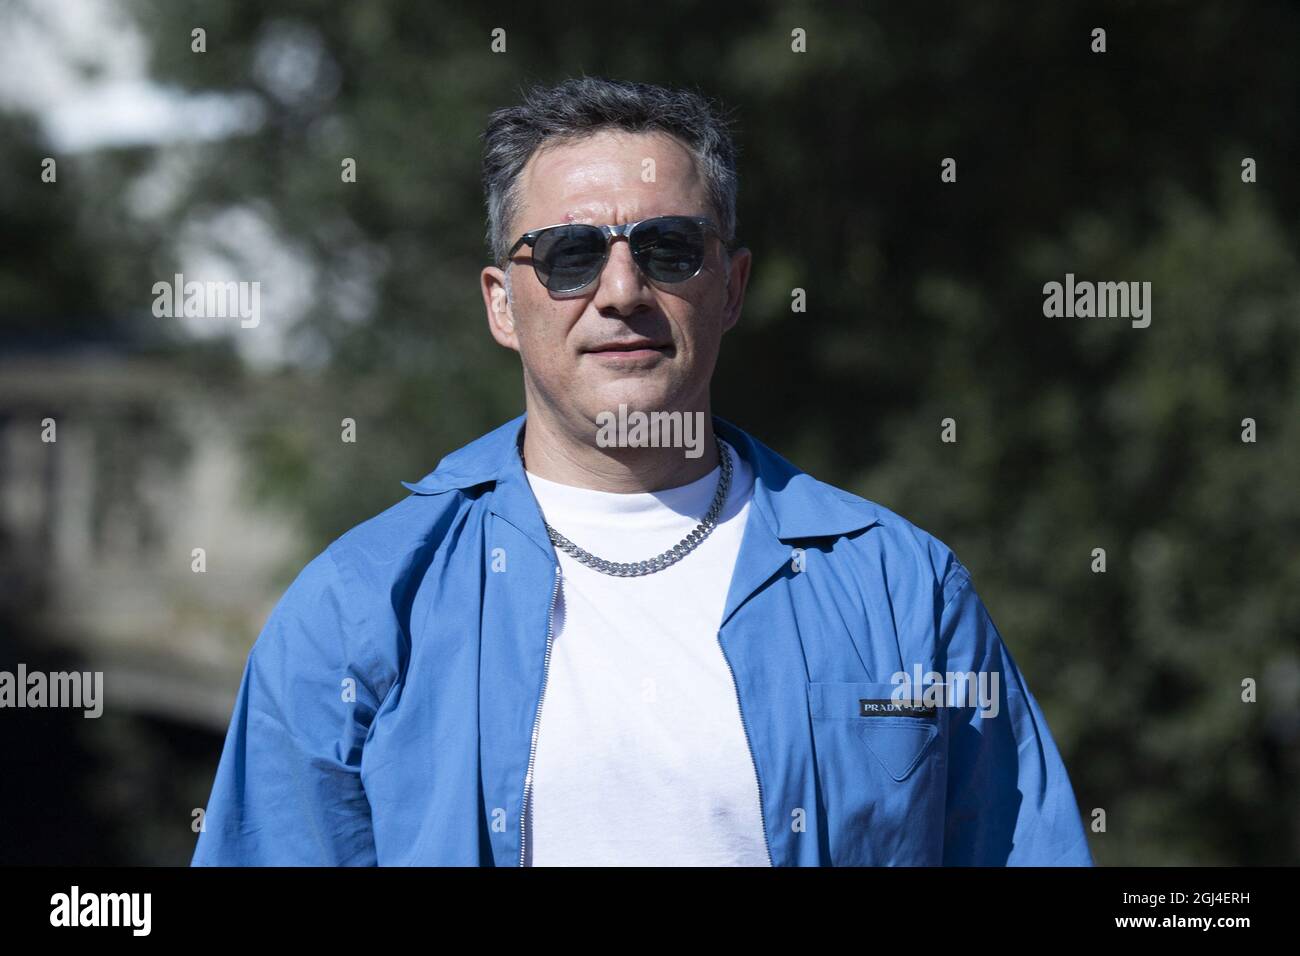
(583, 640)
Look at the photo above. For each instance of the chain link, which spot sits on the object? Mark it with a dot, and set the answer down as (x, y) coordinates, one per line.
(673, 554)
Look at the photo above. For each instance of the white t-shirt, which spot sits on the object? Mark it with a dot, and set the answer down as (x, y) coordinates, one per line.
(641, 754)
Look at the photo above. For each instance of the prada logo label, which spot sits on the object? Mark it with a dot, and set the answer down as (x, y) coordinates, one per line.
(895, 708)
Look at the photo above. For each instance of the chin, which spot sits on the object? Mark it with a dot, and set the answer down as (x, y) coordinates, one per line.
(642, 399)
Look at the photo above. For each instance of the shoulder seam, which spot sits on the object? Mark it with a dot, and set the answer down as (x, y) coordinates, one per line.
(360, 651)
(958, 570)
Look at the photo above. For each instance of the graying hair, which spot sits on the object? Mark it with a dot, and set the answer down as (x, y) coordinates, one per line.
(576, 108)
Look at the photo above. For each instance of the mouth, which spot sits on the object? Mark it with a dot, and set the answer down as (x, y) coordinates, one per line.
(634, 350)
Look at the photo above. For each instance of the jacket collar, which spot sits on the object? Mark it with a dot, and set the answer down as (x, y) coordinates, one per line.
(794, 504)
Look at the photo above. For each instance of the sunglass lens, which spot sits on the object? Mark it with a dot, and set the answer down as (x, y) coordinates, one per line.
(669, 249)
(568, 257)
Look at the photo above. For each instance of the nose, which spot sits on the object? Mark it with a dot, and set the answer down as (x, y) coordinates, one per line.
(621, 286)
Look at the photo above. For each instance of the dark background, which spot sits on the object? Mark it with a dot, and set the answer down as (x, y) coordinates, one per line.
(924, 302)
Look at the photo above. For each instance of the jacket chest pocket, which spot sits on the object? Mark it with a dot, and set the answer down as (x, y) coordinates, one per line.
(881, 770)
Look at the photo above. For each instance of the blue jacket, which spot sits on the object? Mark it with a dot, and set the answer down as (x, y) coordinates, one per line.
(387, 712)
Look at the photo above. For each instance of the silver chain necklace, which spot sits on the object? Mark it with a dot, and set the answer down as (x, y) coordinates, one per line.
(669, 557)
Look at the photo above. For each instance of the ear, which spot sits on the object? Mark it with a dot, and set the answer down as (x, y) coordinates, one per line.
(500, 310)
(737, 280)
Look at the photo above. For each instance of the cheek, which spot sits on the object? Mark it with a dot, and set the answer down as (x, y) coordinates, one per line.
(703, 334)
(544, 337)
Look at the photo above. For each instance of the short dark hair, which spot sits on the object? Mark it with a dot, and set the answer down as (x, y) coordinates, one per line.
(580, 107)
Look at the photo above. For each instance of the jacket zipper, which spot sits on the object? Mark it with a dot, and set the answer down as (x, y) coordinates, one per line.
(762, 811)
(537, 720)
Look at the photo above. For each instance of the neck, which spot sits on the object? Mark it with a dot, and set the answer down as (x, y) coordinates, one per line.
(572, 456)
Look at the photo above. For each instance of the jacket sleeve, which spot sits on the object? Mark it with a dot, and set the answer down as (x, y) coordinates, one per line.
(288, 787)
(1009, 800)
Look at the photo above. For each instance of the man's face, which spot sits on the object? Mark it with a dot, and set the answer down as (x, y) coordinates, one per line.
(569, 345)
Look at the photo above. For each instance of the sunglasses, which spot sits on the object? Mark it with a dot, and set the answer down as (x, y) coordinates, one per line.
(567, 258)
